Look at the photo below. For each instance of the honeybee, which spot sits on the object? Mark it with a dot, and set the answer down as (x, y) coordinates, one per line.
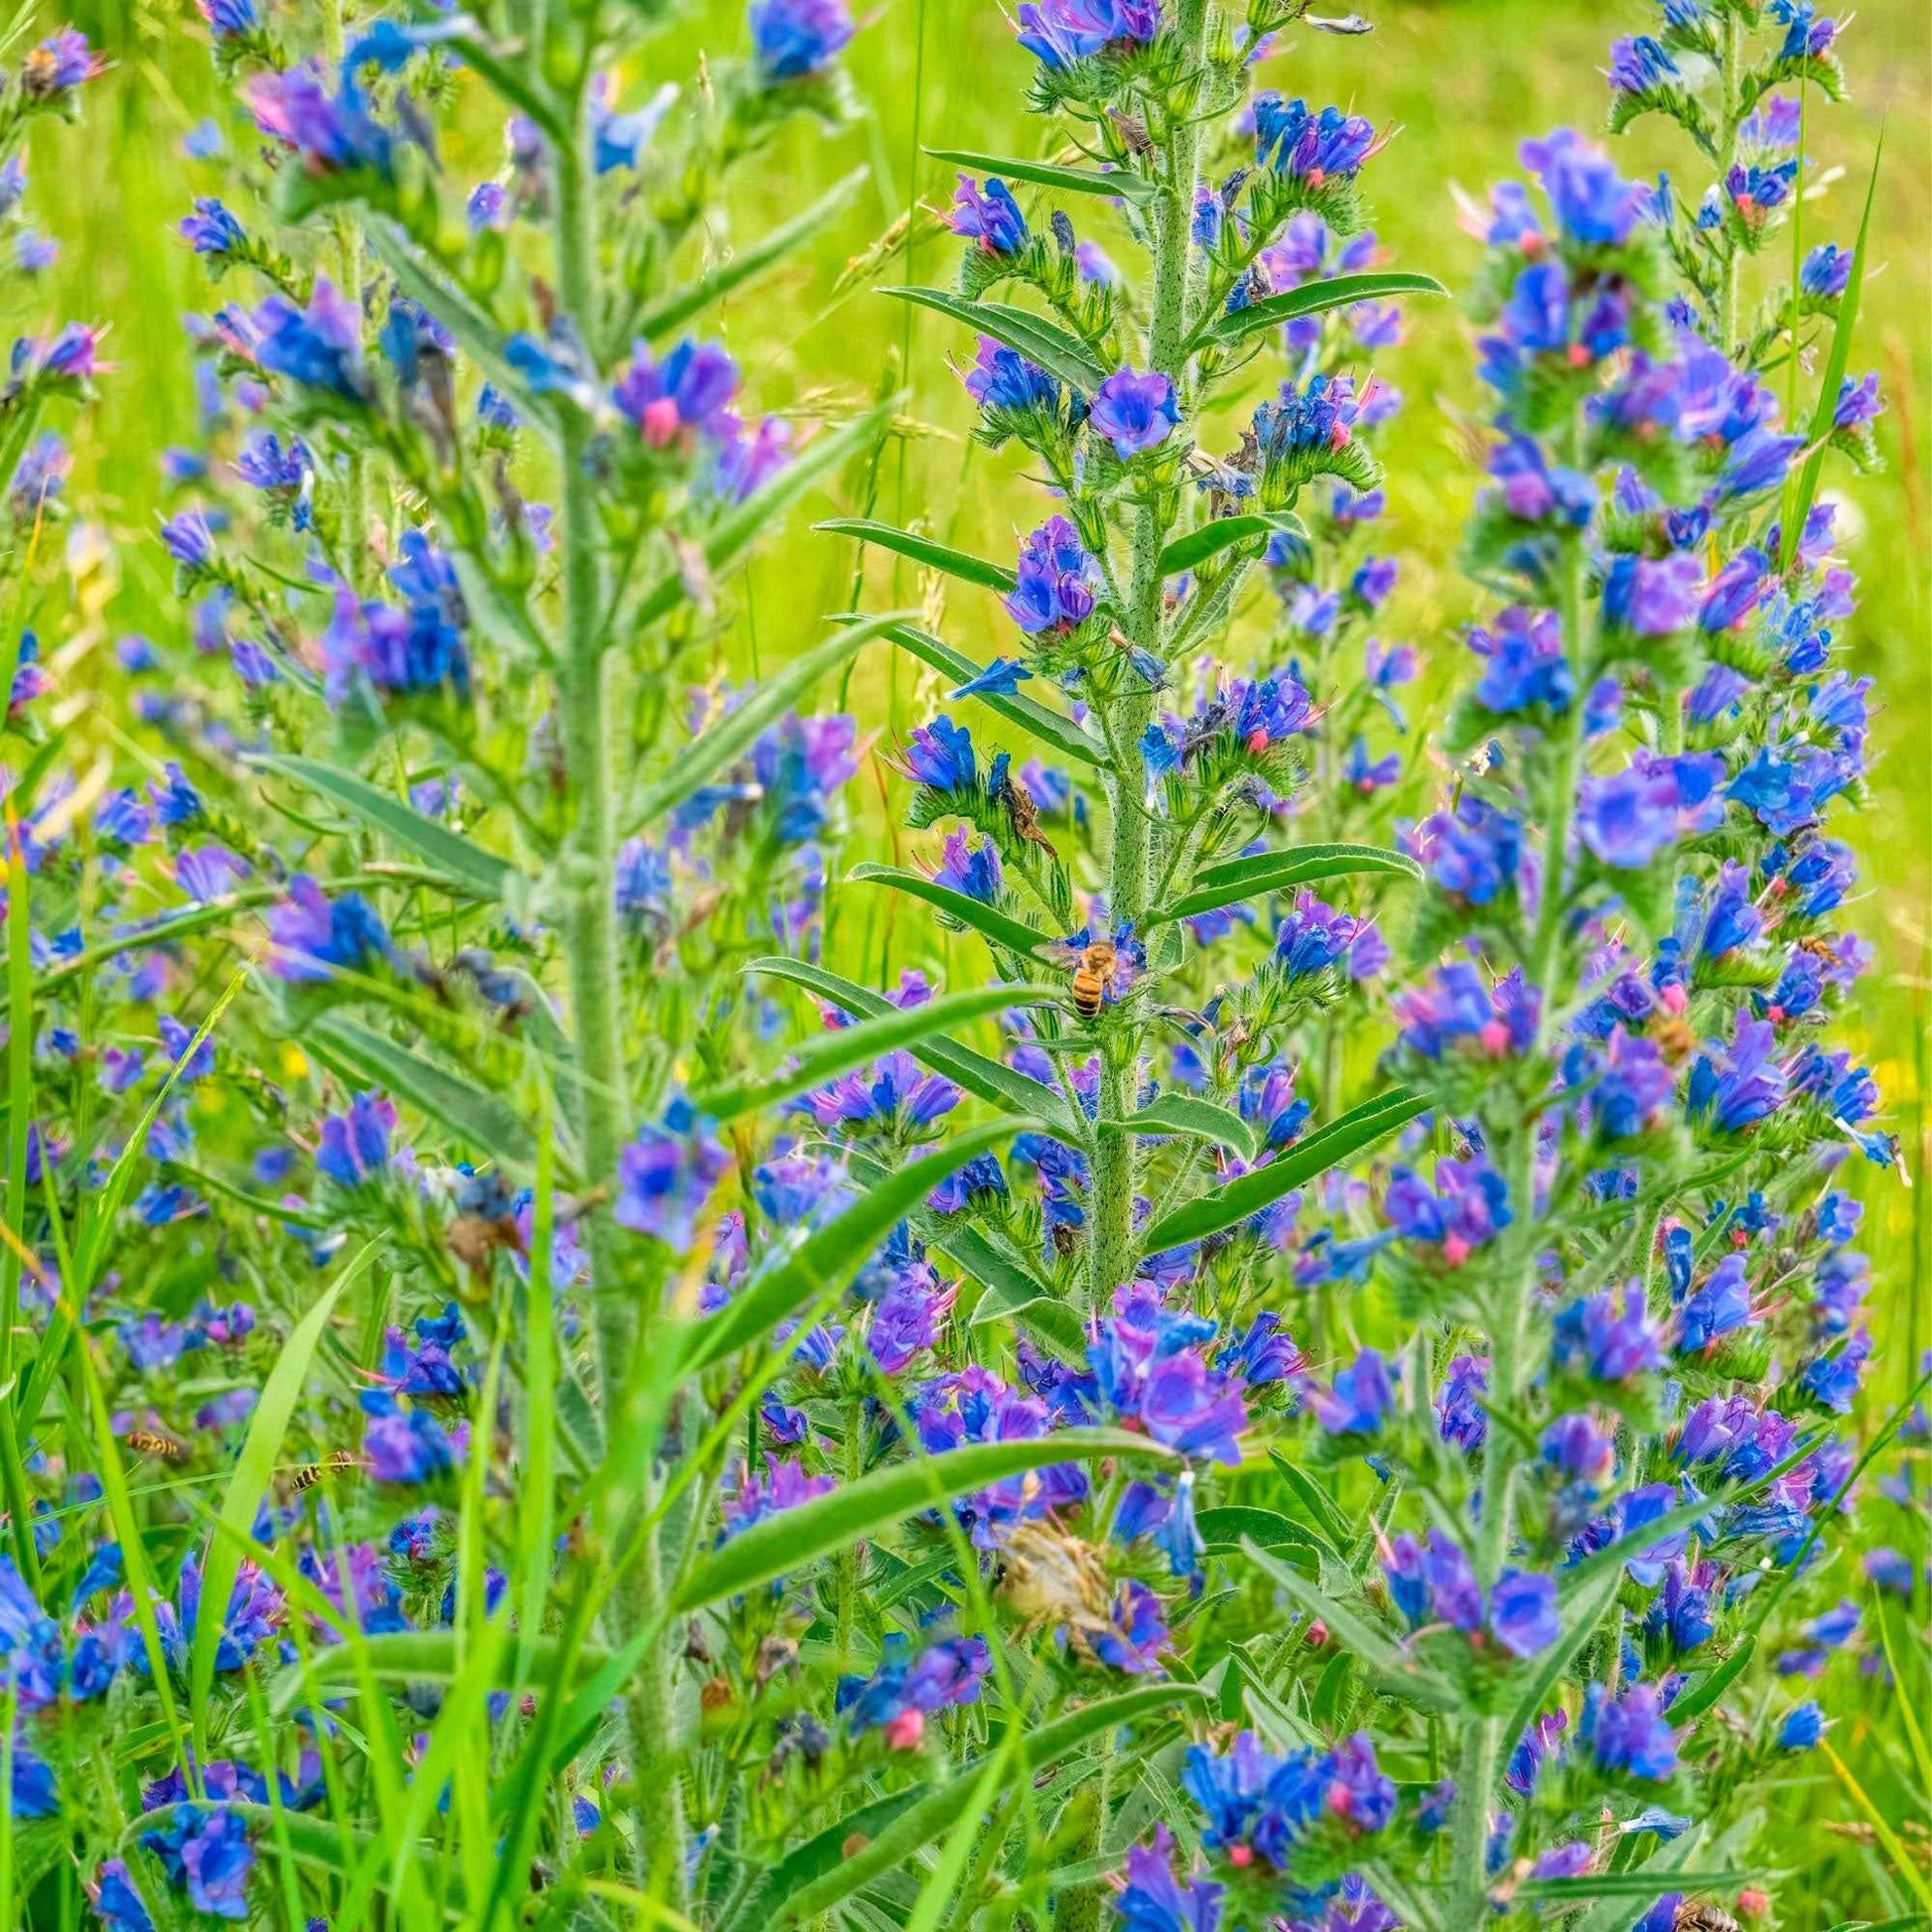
(1703, 1918)
(335, 1463)
(1675, 1038)
(1098, 969)
(148, 1442)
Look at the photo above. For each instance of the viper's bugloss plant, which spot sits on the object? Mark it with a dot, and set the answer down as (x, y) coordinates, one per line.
(1294, 1358)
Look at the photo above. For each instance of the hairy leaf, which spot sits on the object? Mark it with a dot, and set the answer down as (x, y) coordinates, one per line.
(1186, 1113)
(1260, 872)
(1042, 343)
(1314, 298)
(1237, 1200)
(922, 550)
(1189, 552)
(988, 920)
(1050, 173)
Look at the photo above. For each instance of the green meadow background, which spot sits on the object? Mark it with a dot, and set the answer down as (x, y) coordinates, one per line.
(1464, 81)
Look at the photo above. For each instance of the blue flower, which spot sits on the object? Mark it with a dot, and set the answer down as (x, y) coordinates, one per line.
(1316, 148)
(1058, 32)
(1055, 581)
(1593, 204)
(940, 756)
(988, 215)
(1135, 413)
(1154, 1900)
(667, 1175)
(1802, 1727)
(1631, 1732)
(796, 38)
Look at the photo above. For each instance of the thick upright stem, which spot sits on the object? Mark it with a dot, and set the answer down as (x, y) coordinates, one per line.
(1111, 1251)
(1509, 1322)
(602, 1088)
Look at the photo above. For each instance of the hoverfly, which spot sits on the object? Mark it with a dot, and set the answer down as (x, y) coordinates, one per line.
(335, 1463)
(150, 1443)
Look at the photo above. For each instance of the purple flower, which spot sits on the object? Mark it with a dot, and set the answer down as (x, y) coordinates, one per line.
(1461, 1418)
(667, 1175)
(796, 38)
(1638, 63)
(317, 348)
(1629, 819)
(785, 1486)
(1359, 1400)
(311, 936)
(1802, 1727)
(354, 1148)
(1592, 1337)
(1653, 599)
(1058, 32)
(1316, 148)
(1154, 1900)
(1135, 413)
(689, 391)
(988, 215)
(1631, 1732)
(1523, 1612)
(1593, 204)
(1734, 1089)
(1056, 581)
(1001, 378)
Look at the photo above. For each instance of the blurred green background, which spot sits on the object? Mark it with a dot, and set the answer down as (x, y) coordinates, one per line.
(1464, 81)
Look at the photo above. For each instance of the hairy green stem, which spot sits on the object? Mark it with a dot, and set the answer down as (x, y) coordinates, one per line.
(1111, 1247)
(1509, 1318)
(602, 1093)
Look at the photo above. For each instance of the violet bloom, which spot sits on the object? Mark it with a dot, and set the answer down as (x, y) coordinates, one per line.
(1154, 1900)
(1735, 1088)
(1316, 148)
(354, 1148)
(785, 1486)
(1056, 581)
(1058, 32)
(311, 936)
(667, 1175)
(797, 37)
(1593, 204)
(1135, 413)
(689, 391)
(988, 215)
(1631, 1732)
(1360, 1399)
(1592, 1337)
(1653, 599)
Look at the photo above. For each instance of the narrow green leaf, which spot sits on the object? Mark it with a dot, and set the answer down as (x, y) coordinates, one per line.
(1314, 298)
(1239, 1199)
(832, 1255)
(1186, 1113)
(673, 310)
(1189, 552)
(1259, 873)
(735, 530)
(1369, 1646)
(794, 1537)
(1695, 1701)
(1042, 343)
(1797, 507)
(988, 920)
(253, 1470)
(1320, 1506)
(832, 1052)
(697, 763)
(988, 1079)
(1613, 1914)
(898, 1837)
(922, 550)
(1052, 728)
(976, 1812)
(1626, 1886)
(483, 873)
(1226, 1527)
(476, 1117)
(1048, 173)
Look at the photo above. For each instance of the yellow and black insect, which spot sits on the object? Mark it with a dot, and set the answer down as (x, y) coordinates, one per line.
(335, 1463)
(1098, 970)
(148, 1441)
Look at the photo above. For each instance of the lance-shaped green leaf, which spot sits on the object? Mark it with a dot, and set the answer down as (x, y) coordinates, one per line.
(1189, 552)
(1370, 1646)
(1315, 298)
(673, 310)
(831, 1054)
(733, 735)
(855, 1510)
(962, 564)
(1697, 1698)
(900, 1835)
(248, 1484)
(1581, 1617)
(988, 1079)
(1235, 880)
(1050, 173)
(1332, 1527)
(481, 872)
(1241, 1199)
(474, 1116)
(1051, 727)
(737, 527)
(1798, 501)
(988, 920)
(428, 284)
(1040, 341)
(832, 1255)
(1186, 1113)
(1227, 1527)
